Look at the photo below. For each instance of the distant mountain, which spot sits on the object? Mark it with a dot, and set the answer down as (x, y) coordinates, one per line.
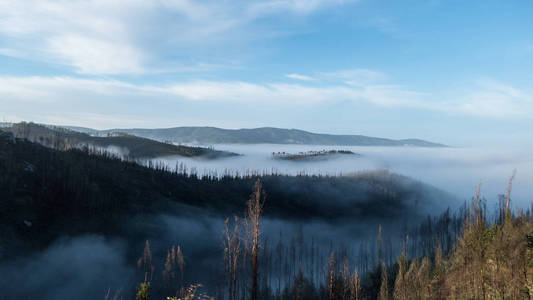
(120, 143)
(213, 135)
(69, 193)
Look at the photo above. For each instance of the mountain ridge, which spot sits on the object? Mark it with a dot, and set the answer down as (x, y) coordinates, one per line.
(260, 135)
(128, 145)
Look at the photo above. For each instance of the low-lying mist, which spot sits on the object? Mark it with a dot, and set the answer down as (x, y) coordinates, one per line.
(88, 266)
(111, 207)
(455, 170)
(72, 268)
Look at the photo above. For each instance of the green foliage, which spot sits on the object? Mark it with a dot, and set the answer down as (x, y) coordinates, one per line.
(487, 262)
(144, 291)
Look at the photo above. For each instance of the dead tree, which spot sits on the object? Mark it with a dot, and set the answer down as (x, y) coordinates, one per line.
(232, 249)
(253, 227)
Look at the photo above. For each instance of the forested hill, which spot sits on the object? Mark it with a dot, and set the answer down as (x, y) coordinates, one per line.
(51, 196)
(72, 192)
(213, 135)
(121, 143)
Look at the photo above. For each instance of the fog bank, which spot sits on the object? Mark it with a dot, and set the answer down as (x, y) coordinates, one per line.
(73, 268)
(455, 170)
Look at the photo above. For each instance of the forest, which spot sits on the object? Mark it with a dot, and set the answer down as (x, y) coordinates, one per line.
(308, 155)
(486, 260)
(122, 144)
(397, 248)
(266, 150)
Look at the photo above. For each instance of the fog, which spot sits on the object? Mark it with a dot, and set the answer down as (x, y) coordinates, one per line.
(455, 170)
(88, 267)
(85, 267)
(72, 268)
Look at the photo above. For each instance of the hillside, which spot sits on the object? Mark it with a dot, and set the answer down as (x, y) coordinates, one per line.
(213, 135)
(85, 217)
(52, 188)
(126, 145)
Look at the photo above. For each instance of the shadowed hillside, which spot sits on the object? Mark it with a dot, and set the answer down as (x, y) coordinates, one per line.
(120, 143)
(79, 206)
(52, 188)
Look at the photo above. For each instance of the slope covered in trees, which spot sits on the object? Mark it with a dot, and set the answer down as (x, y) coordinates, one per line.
(123, 144)
(47, 194)
(93, 191)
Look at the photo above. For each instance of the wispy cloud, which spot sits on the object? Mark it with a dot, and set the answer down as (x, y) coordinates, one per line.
(259, 8)
(96, 56)
(495, 99)
(489, 99)
(300, 77)
(125, 37)
(62, 89)
(353, 77)
(356, 76)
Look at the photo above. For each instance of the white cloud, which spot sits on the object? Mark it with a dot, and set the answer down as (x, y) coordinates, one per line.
(64, 88)
(497, 100)
(295, 94)
(123, 37)
(300, 77)
(31, 94)
(92, 36)
(353, 77)
(96, 56)
(258, 8)
(356, 77)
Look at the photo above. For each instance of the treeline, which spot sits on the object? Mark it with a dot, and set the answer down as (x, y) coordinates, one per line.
(472, 259)
(462, 254)
(79, 191)
(310, 154)
(124, 145)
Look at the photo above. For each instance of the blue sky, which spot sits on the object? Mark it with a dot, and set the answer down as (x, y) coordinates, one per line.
(457, 72)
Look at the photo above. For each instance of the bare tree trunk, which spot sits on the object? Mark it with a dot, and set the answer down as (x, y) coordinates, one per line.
(232, 247)
(509, 187)
(332, 264)
(255, 208)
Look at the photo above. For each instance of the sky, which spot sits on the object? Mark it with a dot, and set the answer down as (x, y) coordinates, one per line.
(455, 72)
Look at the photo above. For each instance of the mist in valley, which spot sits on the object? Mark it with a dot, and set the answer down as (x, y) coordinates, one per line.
(93, 266)
(198, 150)
(455, 170)
(343, 220)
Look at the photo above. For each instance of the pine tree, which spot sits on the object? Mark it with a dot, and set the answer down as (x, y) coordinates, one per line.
(144, 291)
(355, 286)
(400, 284)
(439, 275)
(145, 263)
(384, 288)
(331, 276)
